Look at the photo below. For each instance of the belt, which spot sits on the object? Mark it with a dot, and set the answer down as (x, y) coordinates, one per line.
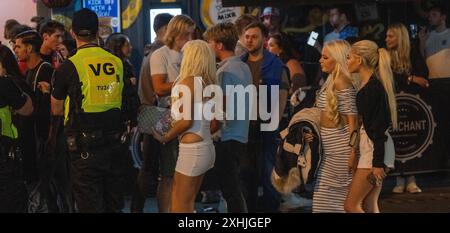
(100, 137)
(92, 139)
(10, 152)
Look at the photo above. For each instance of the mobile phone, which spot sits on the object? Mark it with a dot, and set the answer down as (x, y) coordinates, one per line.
(313, 38)
(414, 30)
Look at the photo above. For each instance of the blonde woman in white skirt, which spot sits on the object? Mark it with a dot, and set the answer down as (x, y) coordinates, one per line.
(196, 148)
(377, 109)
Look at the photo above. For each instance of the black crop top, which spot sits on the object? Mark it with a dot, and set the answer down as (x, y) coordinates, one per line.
(373, 109)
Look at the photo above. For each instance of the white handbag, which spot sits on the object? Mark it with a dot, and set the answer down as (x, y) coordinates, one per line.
(389, 152)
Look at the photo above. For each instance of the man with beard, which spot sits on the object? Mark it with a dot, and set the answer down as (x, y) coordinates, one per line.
(340, 21)
(266, 69)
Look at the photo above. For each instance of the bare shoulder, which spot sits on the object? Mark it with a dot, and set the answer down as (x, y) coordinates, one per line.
(293, 62)
(342, 83)
(294, 66)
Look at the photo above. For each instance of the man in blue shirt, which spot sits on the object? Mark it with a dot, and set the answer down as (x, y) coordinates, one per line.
(340, 20)
(232, 74)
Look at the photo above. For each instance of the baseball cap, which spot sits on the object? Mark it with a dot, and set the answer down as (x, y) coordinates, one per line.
(161, 20)
(85, 22)
(270, 11)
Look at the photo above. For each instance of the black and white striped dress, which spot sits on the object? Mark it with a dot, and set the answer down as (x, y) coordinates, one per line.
(334, 178)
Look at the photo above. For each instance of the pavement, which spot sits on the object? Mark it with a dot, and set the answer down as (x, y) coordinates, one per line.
(434, 198)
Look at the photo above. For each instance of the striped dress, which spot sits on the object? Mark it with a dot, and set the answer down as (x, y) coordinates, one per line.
(334, 178)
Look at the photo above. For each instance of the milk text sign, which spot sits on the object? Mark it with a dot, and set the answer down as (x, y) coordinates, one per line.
(212, 12)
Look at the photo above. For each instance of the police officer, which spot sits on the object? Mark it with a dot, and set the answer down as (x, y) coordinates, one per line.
(88, 95)
(13, 197)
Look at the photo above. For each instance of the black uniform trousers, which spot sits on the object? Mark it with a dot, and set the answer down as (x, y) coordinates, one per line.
(97, 178)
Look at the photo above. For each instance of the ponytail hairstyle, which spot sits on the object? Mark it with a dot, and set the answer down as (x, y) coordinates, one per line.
(339, 50)
(379, 60)
(400, 56)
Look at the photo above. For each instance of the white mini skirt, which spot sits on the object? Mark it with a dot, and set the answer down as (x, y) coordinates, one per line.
(196, 159)
(366, 151)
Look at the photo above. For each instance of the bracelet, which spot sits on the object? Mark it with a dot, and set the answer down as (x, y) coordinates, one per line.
(410, 79)
(164, 139)
(353, 139)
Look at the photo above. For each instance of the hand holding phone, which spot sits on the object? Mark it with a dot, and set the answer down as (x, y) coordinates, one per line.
(307, 135)
(307, 130)
(313, 38)
(414, 29)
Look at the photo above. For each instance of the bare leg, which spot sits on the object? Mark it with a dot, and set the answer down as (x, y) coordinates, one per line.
(359, 189)
(185, 189)
(371, 201)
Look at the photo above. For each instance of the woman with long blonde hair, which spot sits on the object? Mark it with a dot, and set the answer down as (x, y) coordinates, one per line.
(196, 149)
(408, 78)
(338, 121)
(377, 109)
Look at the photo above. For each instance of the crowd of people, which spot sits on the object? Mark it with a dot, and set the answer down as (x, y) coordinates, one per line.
(69, 102)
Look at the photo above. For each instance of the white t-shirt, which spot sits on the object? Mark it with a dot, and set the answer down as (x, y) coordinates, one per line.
(437, 52)
(165, 61)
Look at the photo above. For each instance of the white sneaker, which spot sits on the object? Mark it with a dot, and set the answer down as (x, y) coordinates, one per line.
(293, 201)
(400, 186)
(412, 186)
(399, 189)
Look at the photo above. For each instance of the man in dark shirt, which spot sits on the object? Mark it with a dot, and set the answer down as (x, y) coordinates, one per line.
(52, 33)
(13, 196)
(38, 77)
(27, 47)
(93, 81)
